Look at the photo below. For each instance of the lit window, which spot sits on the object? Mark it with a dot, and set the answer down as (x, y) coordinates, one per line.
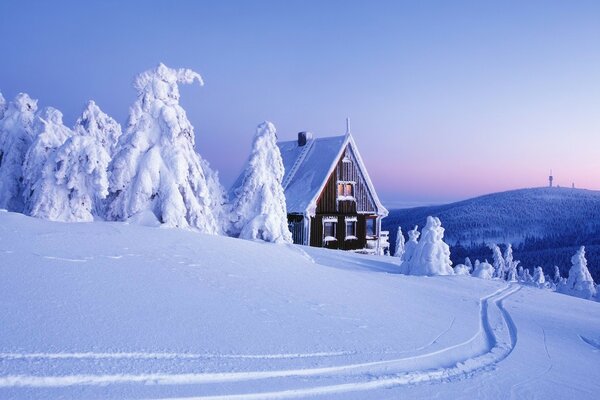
(345, 189)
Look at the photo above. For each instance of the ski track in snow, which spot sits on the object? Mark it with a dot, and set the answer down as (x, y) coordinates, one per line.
(493, 342)
(164, 356)
(593, 343)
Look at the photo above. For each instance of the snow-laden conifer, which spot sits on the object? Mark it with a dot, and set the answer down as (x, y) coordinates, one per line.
(2, 106)
(431, 255)
(93, 122)
(16, 136)
(539, 279)
(399, 250)
(409, 249)
(557, 277)
(579, 283)
(510, 264)
(156, 168)
(469, 264)
(499, 264)
(42, 196)
(259, 208)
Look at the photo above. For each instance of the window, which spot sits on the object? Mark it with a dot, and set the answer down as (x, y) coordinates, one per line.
(371, 227)
(351, 228)
(345, 189)
(329, 229)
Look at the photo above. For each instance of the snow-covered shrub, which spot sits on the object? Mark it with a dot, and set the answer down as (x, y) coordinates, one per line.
(498, 260)
(461, 269)
(16, 136)
(557, 278)
(431, 255)
(259, 209)
(483, 270)
(156, 167)
(527, 278)
(580, 283)
(399, 251)
(41, 194)
(95, 123)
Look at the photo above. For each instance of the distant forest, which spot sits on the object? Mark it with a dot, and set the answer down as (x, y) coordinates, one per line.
(546, 226)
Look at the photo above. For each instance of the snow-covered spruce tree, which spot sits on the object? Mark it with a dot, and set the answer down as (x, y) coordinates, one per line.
(557, 278)
(156, 168)
(42, 195)
(510, 264)
(527, 278)
(431, 255)
(499, 264)
(399, 250)
(409, 249)
(95, 123)
(580, 283)
(2, 106)
(469, 264)
(259, 208)
(16, 136)
(539, 279)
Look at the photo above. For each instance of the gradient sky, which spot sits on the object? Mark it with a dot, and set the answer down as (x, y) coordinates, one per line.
(447, 99)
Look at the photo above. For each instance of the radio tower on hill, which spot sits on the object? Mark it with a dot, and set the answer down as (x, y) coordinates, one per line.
(550, 179)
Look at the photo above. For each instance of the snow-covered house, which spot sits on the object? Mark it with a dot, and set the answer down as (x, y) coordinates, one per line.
(331, 201)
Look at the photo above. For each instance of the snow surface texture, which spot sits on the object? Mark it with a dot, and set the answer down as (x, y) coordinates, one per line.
(259, 208)
(16, 135)
(580, 282)
(157, 168)
(144, 313)
(431, 256)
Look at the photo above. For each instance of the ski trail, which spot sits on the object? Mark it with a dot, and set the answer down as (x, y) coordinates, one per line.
(495, 339)
(163, 356)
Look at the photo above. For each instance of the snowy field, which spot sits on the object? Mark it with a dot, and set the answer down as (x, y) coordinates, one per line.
(117, 311)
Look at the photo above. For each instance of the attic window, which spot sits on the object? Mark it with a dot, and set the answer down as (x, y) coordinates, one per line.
(345, 189)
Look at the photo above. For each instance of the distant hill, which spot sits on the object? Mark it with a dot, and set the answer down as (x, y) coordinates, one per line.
(545, 225)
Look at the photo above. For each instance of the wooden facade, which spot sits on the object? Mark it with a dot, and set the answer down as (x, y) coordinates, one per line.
(347, 202)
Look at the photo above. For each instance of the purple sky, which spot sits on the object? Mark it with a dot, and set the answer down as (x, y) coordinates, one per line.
(447, 100)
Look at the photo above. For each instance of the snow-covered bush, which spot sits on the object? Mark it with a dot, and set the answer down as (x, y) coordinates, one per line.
(156, 167)
(461, 269)
(95, 123)
(527, 278)
(580, 283)
(259, 208)
(498, 260)
(431, 255)
(483, 270)
(16, 136)
(399, 250)
(41, 194)
(557, 278)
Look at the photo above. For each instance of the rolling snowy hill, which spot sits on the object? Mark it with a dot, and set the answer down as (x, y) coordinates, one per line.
(111, 310)
(547, 225)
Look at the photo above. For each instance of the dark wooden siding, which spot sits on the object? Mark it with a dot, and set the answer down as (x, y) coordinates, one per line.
(329, 205)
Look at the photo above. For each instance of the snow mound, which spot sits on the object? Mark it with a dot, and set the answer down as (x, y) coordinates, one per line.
(483, 270)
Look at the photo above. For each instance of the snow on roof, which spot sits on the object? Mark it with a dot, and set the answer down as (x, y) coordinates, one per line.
(306, 178)
(308, 167)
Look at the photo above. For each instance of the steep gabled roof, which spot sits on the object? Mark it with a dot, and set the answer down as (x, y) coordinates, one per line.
(308, 167)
